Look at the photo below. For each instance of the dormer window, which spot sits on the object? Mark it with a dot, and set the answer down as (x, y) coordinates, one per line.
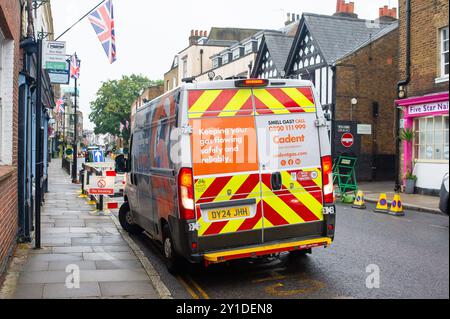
(225, 58)
(236, 53)
(248, 47)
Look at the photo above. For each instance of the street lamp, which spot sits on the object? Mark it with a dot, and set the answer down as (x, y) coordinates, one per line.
(354, 101)
(75, 137)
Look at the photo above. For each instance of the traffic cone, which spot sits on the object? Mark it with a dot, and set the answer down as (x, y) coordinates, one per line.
(382, 205)
(397, 206)
(359, 201)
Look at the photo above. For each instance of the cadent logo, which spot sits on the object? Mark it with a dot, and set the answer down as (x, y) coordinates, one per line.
(290, 139)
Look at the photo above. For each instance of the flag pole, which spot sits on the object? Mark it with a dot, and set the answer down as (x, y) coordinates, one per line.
(98, 5)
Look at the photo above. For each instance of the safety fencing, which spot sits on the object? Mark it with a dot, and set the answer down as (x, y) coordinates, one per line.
(97, 181)
(66, 164)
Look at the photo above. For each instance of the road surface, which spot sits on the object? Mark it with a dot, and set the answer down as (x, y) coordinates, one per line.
(411, 254)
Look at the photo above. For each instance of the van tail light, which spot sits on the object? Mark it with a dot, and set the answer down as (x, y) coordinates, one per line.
(186, 194)
(327, 180)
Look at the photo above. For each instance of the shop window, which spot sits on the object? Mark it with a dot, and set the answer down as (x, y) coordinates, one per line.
(431, 139)
(444, 52)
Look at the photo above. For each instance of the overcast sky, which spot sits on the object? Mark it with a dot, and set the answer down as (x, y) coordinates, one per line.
(149, 33)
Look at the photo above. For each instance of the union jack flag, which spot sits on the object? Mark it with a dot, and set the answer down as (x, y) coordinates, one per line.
(102, 20)
(60, 105)
(74, 67)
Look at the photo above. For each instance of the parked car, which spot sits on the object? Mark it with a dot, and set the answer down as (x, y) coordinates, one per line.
(443, 202)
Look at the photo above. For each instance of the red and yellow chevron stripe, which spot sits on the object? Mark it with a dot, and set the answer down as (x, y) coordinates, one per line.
(221, 189)
(298, 201)
(284, 101)
(236, 102)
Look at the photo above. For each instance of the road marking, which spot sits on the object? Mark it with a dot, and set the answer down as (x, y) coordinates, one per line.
(197, 286)
(187, 287)
(440, 227)
(314, 285)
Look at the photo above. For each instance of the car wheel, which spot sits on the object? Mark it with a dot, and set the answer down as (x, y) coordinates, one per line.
(172, 260)
(126, 220)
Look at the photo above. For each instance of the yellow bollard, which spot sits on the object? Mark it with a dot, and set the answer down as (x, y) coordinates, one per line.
(397, 206)
(382, 205)
(359, 201)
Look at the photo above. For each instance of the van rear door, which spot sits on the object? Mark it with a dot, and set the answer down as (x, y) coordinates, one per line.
(227, 186)
(290, 162)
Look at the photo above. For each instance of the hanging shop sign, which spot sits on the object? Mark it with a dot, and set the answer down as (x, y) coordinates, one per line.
(54, 61)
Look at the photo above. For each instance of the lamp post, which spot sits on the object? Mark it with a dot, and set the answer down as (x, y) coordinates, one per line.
(75, 137)
(354, 101)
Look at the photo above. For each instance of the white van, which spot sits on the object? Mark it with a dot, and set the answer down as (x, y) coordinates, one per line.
(231, 169)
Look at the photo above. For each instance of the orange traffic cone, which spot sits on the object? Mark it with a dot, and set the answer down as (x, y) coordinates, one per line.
(397, 206)
(359, 201)
(382, 205)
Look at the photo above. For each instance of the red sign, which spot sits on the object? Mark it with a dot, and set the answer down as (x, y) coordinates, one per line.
(347, 140)
(101, 191)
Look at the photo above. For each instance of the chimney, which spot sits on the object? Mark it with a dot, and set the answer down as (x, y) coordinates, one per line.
(387, 15)
(288, 21)
(193, 39)
(344, 9)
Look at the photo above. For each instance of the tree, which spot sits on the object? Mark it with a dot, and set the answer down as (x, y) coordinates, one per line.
(112, 105)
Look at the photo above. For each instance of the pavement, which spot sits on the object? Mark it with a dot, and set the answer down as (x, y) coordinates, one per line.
(410, 254)
(418, 202)
(76, 243)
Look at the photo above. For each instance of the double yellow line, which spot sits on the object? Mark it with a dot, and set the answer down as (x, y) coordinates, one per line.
(192, 287)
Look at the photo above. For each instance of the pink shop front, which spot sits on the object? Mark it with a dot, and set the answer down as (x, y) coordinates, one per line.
(427, 155)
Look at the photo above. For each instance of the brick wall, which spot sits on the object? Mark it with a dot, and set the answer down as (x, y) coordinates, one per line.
(10, 25)
(370, 75)
(427, 17)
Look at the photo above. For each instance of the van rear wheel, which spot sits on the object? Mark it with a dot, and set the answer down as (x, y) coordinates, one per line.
(171, 259)
(126, 220)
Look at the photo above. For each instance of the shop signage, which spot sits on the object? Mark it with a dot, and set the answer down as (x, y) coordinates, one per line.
(54, 60)
(428, 108)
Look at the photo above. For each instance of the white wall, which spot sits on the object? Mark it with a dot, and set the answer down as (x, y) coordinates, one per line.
(429, 175)
(232, 68)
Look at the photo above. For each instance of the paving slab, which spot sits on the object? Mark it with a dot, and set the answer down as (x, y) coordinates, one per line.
(131, 288)
(29, 291)
(118, 264)
(73, 236)
(62, 265)
(60, 291)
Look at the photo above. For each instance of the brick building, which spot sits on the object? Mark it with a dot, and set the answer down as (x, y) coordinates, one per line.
(423, 91)
(369, 73)
(350, 59)
(10, 65)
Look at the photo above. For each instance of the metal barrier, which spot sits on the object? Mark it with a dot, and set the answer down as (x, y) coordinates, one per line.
(94, 169)
(66, 164)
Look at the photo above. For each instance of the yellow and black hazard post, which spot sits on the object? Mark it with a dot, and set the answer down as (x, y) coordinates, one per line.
(382, 204)
(397, 206)
(359, 201)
